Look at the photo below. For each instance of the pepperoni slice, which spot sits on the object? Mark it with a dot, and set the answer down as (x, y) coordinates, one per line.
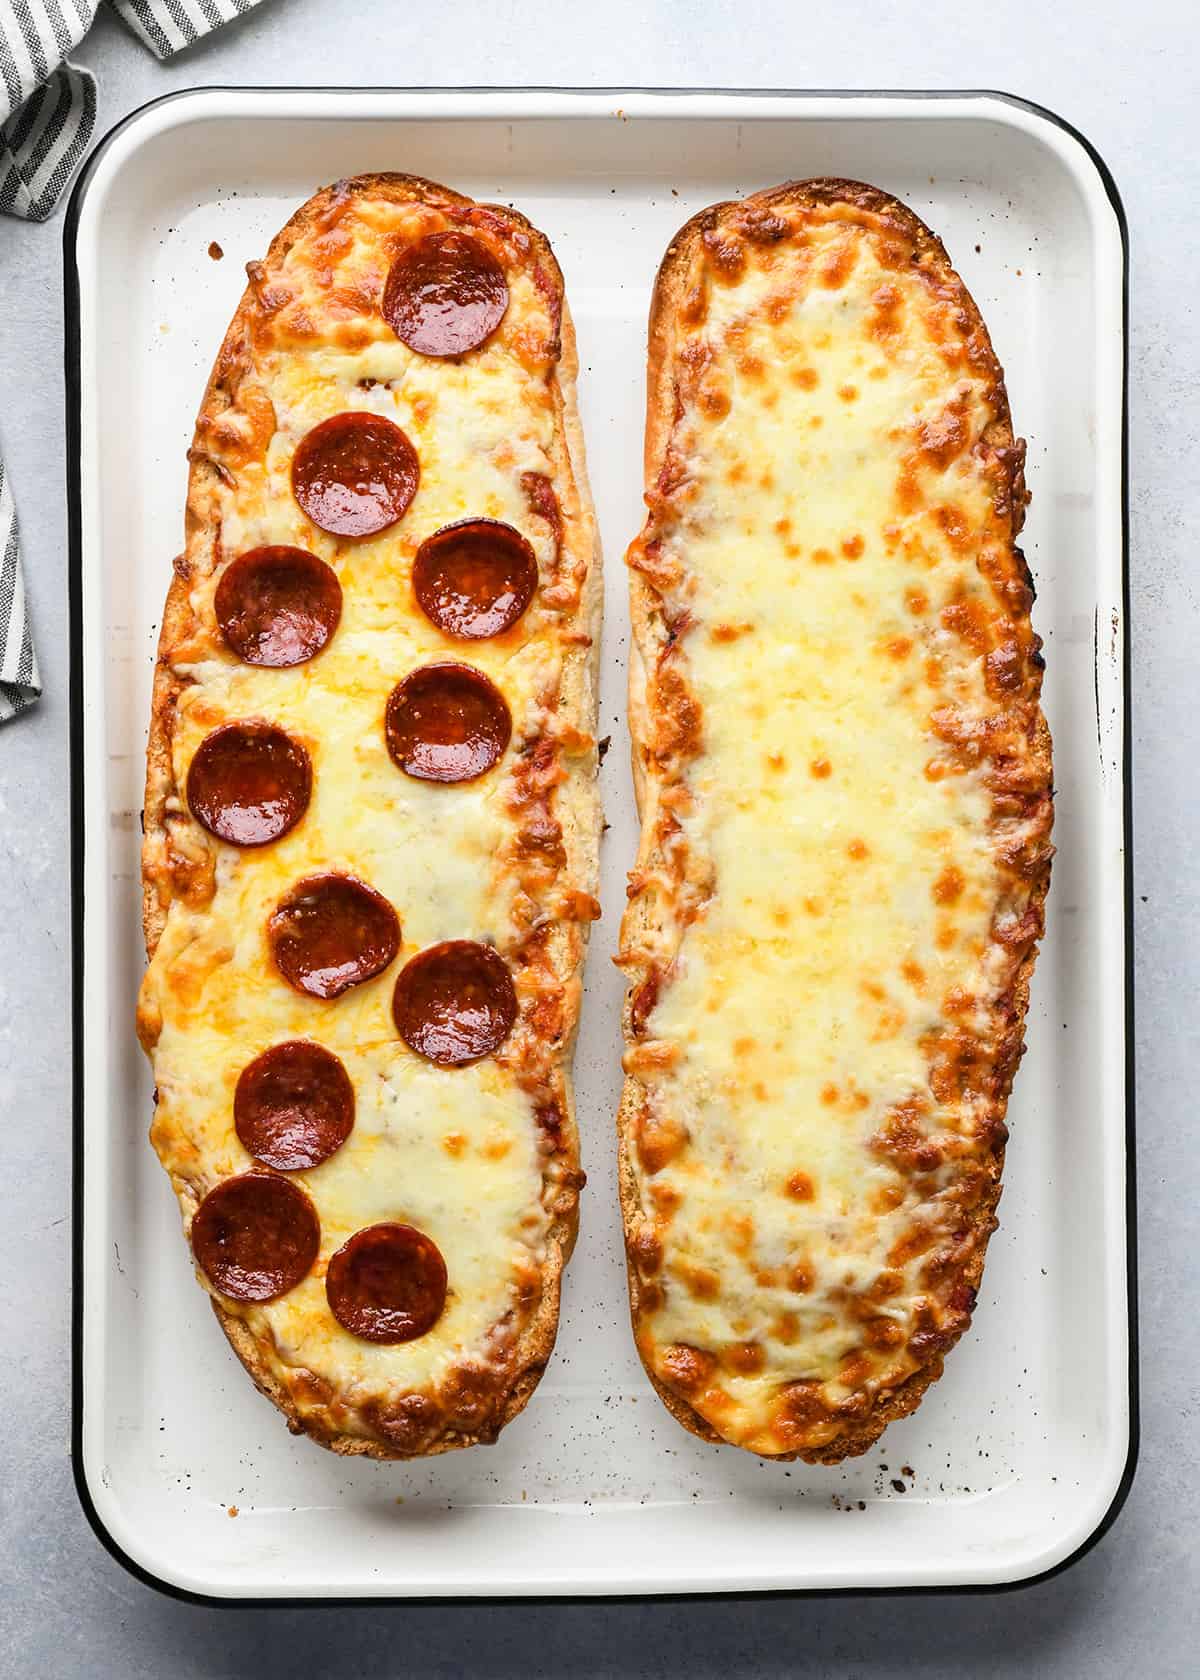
(294, 1105)
(447, 723)
(255, 1236)
(355, 474)
(278, 606)
(249, 783)
(475, 578)
(445, 295)
(332, 932)
(387, 1284)
(454, 1003)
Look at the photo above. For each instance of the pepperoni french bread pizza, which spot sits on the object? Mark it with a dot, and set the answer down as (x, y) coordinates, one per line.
(371, 822)
(844, 779)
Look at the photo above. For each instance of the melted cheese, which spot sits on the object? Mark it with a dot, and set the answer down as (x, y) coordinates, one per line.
(846, 876)
(456, 1152)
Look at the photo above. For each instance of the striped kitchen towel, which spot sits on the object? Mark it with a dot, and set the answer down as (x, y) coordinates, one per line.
(19, 681)
(48, 107)
(47, 113)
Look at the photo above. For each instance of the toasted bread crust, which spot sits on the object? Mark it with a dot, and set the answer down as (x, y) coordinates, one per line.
(649, 640)
(575, 802)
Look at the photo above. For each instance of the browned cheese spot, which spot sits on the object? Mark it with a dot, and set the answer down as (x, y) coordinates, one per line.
(885, 316)
(838, 265)
(647, 1250)
(894, 246)
(701, 1282)
(714, 400)
(908, 494)
(909, 1246)
(746, 1358)
(883, 1333)
(786, 1328)
(694, 306)
(944, 439)
(957, 1001)
(888, 1283)
(660, 1139)
(889, 1024)
(684, 1367)
(854, 1370)
(902, 1139)
(1004, 669)
(665, 1197)
(761, 225)
(678, 713)
(948, 888)
(800, 1187)
(953, 524)
(739, 1228)
(969, 620)
(650, 1297)
(800, 1409)
(726, 254)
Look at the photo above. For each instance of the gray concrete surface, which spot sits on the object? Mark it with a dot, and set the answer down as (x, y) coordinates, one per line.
(1124, 74)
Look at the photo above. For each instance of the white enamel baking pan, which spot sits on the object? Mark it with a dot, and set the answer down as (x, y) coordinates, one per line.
(1021, 1454)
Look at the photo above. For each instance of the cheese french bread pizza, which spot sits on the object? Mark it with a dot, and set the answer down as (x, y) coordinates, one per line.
(371, 824)
(844, 779)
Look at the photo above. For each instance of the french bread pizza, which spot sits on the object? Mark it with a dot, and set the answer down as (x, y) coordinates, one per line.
(370, 822)
(844, 778)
